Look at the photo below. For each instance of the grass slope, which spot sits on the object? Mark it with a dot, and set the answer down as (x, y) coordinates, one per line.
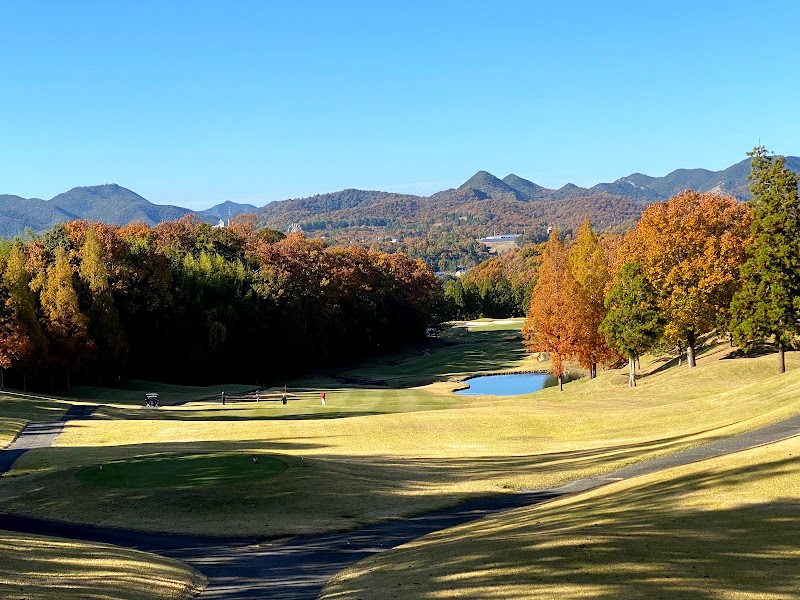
(724, 528)
(41, 568)
(377, 453)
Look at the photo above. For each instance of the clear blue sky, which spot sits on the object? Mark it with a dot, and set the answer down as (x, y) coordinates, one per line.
(194, 103)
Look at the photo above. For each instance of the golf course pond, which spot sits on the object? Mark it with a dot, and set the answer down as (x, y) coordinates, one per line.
(512, 384)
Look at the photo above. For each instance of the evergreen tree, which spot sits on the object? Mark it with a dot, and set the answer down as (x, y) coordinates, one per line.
(633, 323)
(768, 303)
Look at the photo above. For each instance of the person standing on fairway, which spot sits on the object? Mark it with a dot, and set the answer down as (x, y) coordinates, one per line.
(322, 398)
(223, 396)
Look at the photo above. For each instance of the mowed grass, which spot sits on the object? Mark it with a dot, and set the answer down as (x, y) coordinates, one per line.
(181, 470)
(17, 410)
(723, 528)
(41, 568)
(132, 391)
(379, 453)
(460, 352)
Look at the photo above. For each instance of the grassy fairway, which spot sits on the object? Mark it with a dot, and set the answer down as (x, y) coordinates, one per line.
(131, 391)
(724, 528)
(40, 568)
(16, 410)
(182, 471)
(380, 452)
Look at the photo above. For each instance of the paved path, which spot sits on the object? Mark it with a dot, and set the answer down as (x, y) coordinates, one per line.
(298, 568)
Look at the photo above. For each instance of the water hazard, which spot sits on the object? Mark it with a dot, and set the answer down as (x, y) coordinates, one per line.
(506, 385)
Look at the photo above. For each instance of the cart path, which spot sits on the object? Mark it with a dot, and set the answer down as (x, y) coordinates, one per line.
(298, 568)
(41, 434)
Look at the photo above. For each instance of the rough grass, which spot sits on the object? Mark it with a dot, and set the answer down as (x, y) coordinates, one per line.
(378, 453)
(41, 568)
(723, 528)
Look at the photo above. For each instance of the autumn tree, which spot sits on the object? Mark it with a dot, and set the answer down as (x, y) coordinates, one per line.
(27, 348)
(589, 267)
(768, 303)
(104, 325)
(690, 248)
(13, 341)
(633, 322)
(551, 323)
(66, 325)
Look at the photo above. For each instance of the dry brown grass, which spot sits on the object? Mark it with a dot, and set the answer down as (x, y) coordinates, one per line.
(721, 529)
(362, 467)
(41, 568)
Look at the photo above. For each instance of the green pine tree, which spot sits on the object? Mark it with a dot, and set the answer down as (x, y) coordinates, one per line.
(768, 303)
(633, 323)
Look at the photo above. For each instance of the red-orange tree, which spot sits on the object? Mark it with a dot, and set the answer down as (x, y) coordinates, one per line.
(690, 248)
(551, 324)
(589, 267)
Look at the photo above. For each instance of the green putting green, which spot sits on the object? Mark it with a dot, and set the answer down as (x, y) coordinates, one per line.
(177, 470)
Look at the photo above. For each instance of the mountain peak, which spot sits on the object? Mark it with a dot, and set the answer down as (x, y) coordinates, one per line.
(489, 186)
(528, 189)
(105, 190)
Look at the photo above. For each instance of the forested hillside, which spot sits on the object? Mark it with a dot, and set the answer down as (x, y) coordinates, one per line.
(439, 228)
(184, 301)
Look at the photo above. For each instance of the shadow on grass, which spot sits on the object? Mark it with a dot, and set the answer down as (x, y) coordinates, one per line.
(461, 353)
(757, 350)
(318, 491)
(636, 543)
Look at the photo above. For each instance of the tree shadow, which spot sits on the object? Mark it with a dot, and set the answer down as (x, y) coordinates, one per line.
(320, 490)
(640, 542)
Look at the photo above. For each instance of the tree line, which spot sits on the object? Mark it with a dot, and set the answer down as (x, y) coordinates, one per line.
(697, 263)
(184, 301)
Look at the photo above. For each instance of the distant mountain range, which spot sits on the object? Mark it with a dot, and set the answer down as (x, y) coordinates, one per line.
(109, 203)
(484, 202)
(507, 202)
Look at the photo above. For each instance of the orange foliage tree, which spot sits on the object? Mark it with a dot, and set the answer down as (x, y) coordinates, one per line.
(589, 266)
(551, 324)
(690, 248)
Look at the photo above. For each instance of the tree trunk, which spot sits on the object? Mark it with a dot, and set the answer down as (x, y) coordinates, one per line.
(67, 379)
(593, 371)
(561, 383)
(781, 358)
(24, 381)
(1, 379)
(730, 340)
(680, 354)
(690, 341)
(631, 372)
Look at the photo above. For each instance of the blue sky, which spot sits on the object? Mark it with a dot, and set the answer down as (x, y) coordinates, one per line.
(194, 103)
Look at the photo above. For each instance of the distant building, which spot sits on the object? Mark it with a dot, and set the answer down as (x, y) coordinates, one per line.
(496, 239)
(219, 225)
